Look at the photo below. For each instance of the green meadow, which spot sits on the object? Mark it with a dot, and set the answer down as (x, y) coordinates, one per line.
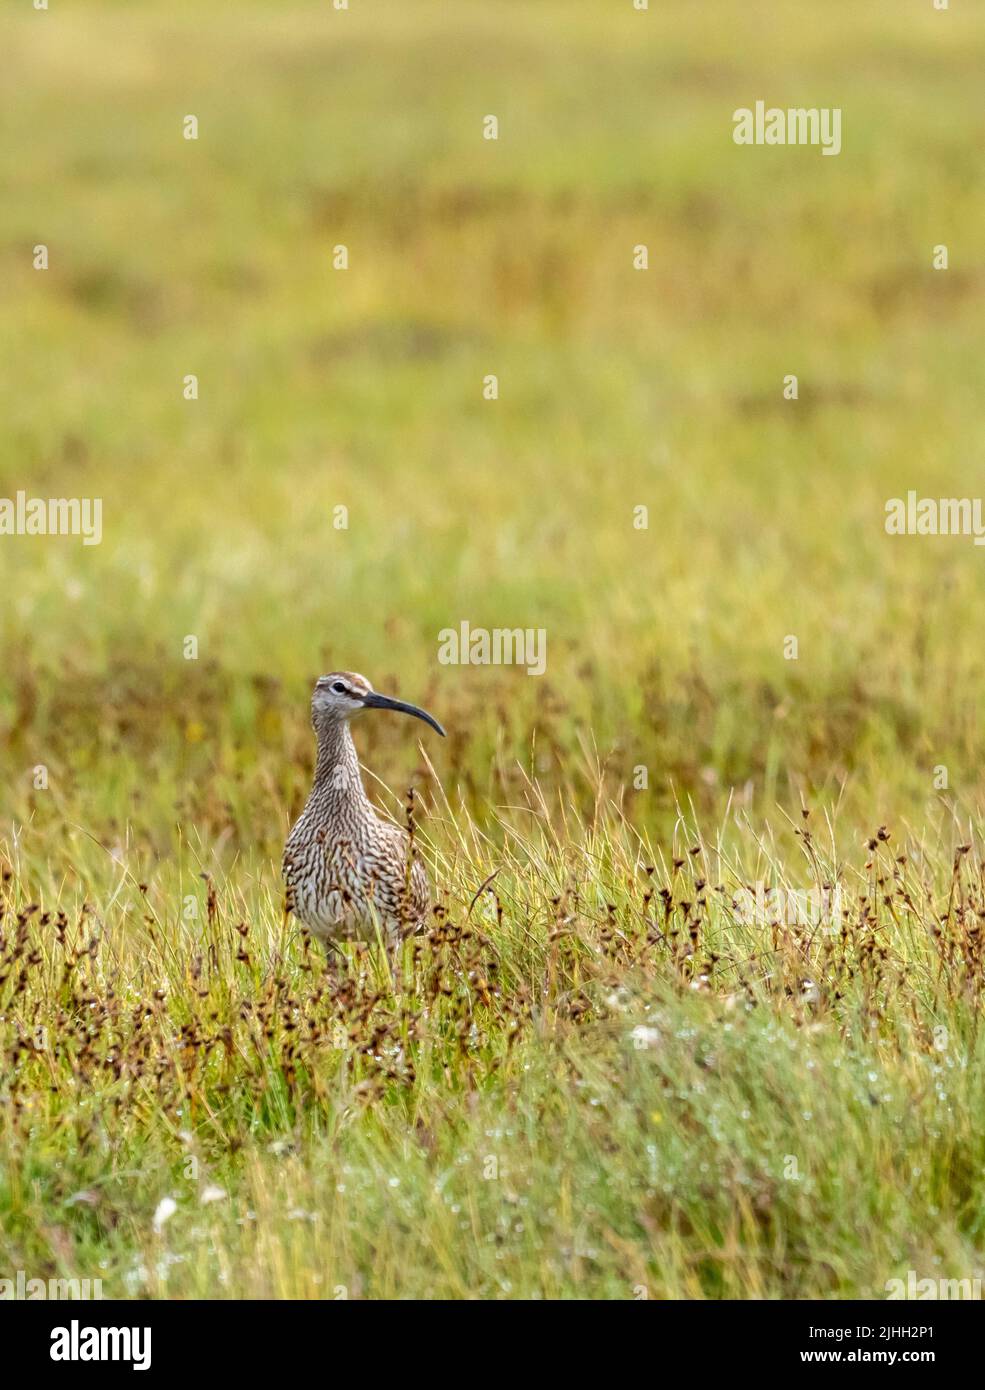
(597, 1075)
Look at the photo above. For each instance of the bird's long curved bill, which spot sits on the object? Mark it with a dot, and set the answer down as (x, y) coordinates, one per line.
(374, 701)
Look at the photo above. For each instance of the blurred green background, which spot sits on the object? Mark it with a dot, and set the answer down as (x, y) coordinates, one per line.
(363, 388)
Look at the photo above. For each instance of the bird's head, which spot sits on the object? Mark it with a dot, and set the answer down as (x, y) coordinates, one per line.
(341, 694)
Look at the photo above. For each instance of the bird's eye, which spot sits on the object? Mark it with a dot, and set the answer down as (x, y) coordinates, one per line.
(338, 687)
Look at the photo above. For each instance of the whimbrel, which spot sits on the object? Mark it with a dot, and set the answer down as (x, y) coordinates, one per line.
(348, 873)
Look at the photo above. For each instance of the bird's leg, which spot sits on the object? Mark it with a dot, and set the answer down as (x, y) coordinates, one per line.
(395, 956)
(336, 960)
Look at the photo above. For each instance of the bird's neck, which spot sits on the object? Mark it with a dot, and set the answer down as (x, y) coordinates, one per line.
(337, 777)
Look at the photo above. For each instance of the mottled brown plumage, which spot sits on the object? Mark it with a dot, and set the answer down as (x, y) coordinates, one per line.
(349, 874)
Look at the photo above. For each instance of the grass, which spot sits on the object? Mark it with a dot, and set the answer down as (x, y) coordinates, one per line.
(599, 1078)
(592, 1079)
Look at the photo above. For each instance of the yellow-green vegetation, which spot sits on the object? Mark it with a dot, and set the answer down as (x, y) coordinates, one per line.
(598, 1076)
